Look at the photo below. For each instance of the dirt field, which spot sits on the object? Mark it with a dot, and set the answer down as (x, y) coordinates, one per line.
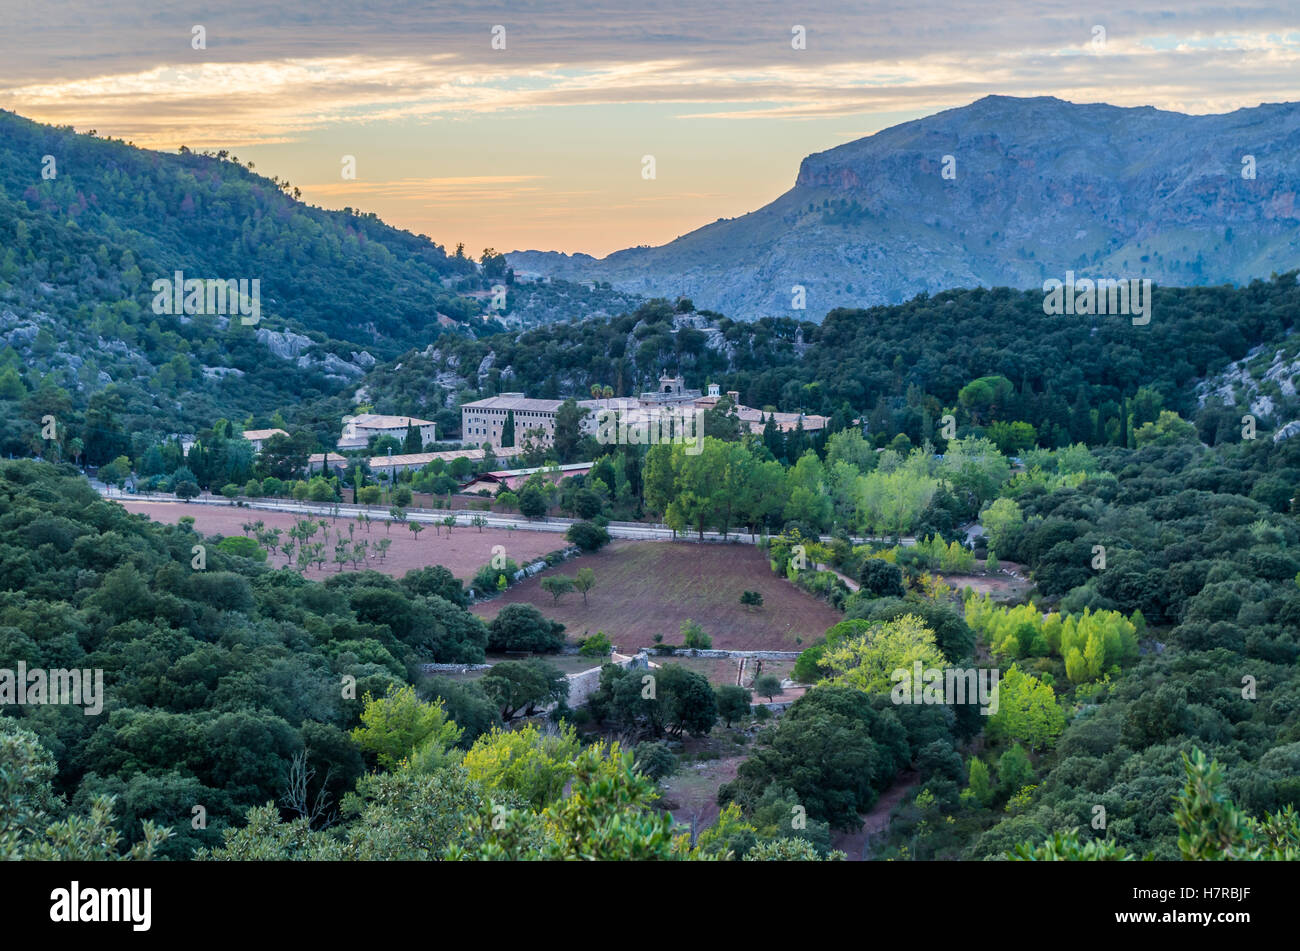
(463, 553)
(648, 588)
(1008, 585)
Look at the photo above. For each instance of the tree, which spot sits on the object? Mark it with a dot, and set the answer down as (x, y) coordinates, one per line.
(1027, 712)
(952, 634)
(879, 579)
(767, 685)
(892, 498)
(1000, 519)
(467, 704)
(285, 456)
(597, 645)
(1013, 438)
(693, 636)
(28, 807)
(435, 580)
(115, 473)
(586, 536)
(655, 760)
(832, 749)
(521, 627)
(533, 765)
(557, 585)
(242, 547)
(1015, 771)
(975, 470)
(584, 582)
(401, 496)
(689, 702)
(394, 727)
(790, 850)
(607, 816)
(568, 430)
(868, 661)
(980, 788)
(733, 703)
(532, 503)
(1168, 429)
(522, 685)
(986, 397)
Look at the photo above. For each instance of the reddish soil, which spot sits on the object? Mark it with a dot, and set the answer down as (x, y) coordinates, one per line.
(463, 553)
(648, 588)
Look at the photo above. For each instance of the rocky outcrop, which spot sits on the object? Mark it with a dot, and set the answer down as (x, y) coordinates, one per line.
(284, 345)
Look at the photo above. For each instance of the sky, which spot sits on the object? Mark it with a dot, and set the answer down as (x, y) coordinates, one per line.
(527, 125)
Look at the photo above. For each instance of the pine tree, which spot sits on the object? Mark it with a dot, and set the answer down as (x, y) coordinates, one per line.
(508, 431)
(773, 439)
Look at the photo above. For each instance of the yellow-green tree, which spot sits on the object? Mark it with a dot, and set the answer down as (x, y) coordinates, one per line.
(1028, 711)
(528, 762)
(868, 661)
(401, 727)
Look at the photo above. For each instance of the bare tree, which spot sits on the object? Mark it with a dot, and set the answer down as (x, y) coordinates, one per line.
(297, 796)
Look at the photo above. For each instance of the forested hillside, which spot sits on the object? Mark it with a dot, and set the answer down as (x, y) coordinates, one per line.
(216, 677)
(1203, 542)
(87, 225)
(984, 355)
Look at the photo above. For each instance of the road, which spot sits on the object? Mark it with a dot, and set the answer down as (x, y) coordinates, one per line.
(556, 524)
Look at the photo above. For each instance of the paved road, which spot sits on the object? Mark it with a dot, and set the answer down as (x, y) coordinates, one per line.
(554, 524)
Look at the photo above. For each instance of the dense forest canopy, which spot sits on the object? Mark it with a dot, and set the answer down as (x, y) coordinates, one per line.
(1076, 378)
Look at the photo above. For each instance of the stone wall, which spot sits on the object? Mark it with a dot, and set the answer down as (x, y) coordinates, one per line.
(582, 685)
(702, 652)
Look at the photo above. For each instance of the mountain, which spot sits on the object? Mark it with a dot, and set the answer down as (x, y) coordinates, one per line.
(1041, 186)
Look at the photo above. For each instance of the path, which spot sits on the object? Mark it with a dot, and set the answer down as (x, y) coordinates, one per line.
(875, 821)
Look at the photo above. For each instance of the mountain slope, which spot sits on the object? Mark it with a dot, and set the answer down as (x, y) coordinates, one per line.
(1041, 186)
(88, 224)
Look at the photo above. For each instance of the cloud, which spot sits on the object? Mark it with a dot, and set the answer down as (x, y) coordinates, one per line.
(273, 73)
(539, 143)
